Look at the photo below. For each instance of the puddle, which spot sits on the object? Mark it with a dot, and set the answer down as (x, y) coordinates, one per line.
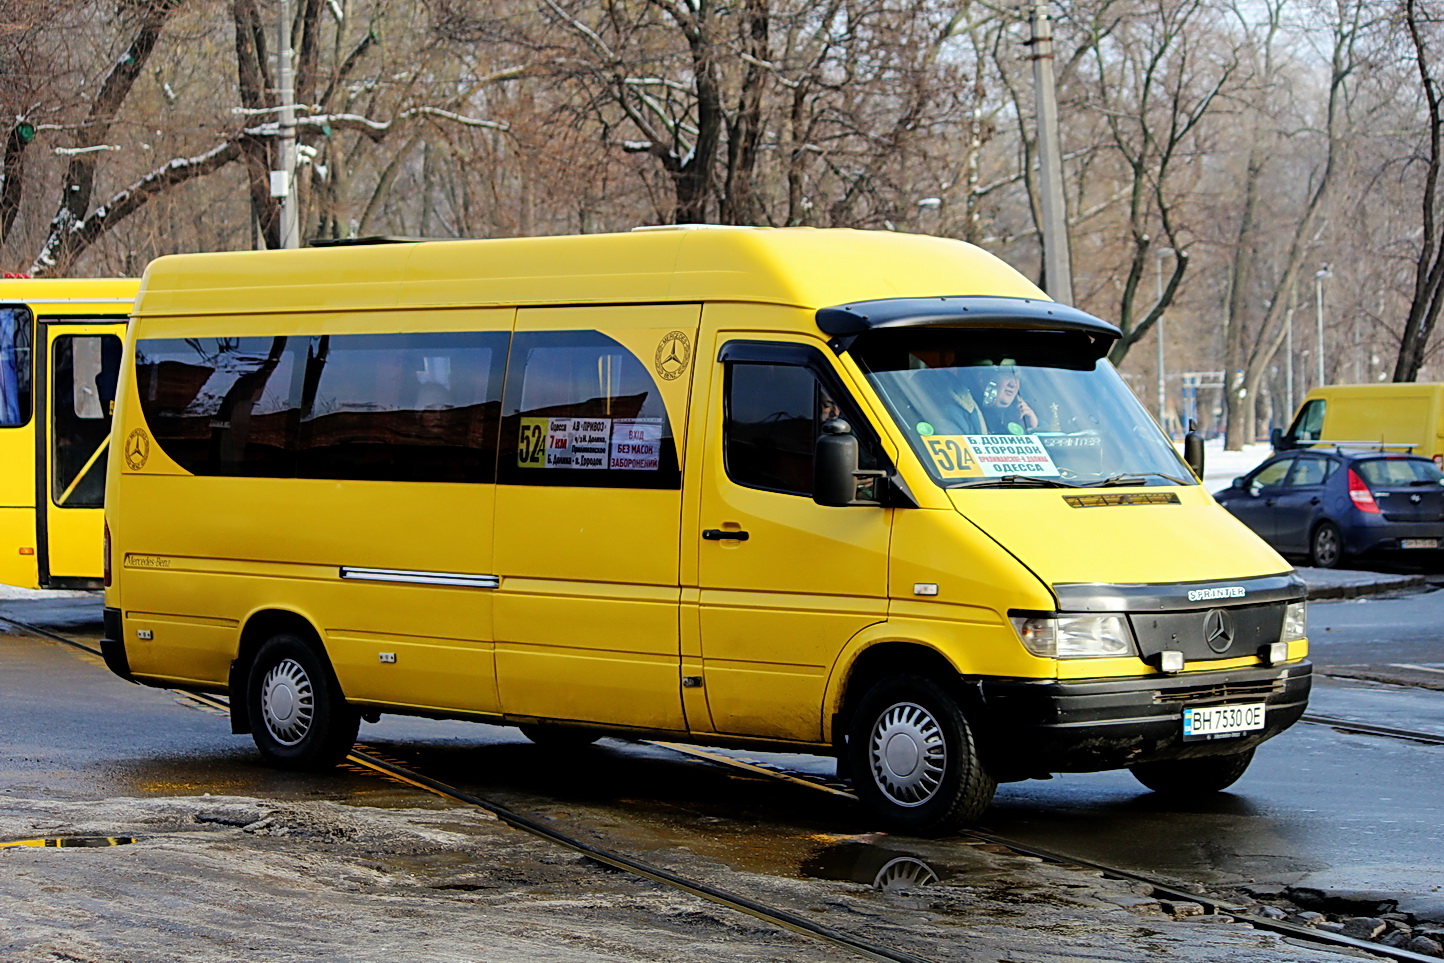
(880, 867)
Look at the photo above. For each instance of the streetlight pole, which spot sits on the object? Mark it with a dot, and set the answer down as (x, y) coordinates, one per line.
(1162, 377)
(1319, 277)
(283, 181)
(1057, 264)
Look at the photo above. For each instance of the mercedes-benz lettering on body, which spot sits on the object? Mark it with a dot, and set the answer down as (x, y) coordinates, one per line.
(832, 491)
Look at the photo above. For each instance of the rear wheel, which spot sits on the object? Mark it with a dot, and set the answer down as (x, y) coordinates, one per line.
(1326, 546)
(299, 719)
(914, 760)
(1192, 777)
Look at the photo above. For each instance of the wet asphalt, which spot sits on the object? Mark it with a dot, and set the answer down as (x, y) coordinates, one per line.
(1354, 817)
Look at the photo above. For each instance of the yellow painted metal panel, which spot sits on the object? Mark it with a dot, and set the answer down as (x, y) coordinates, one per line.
(17, 535)
(1194, 540)
(799, 266)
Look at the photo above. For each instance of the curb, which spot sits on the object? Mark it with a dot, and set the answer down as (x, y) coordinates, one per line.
(1322, 590)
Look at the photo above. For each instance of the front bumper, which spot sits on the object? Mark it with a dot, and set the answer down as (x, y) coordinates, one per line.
(1032, 727)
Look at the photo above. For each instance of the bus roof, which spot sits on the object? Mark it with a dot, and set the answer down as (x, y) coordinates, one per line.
(60, 297)
(804, 267)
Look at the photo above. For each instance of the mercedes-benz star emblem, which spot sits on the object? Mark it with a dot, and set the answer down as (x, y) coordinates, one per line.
(1218, 630)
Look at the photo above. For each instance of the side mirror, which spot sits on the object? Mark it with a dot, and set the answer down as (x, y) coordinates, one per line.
(1237, 482)
(1193, 449)
(836, 479)
(1279, 440)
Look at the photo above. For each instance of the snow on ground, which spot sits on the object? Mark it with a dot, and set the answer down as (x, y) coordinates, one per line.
(1221, 467)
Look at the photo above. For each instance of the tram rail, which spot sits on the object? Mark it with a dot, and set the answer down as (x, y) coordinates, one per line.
(785, 919)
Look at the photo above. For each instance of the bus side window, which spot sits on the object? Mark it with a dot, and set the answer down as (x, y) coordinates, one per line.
(15, 326)
(582, 411)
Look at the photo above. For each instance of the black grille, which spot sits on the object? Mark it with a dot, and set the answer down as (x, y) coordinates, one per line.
(1223, 690)
(1248, 628)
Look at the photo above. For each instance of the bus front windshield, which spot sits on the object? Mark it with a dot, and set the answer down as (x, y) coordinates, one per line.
(991, 408)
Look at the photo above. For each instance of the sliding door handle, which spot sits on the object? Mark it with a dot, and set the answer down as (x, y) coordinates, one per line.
(718, 534)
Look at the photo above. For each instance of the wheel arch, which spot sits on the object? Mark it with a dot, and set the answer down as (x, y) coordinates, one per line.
(869, 660)
(256, 628)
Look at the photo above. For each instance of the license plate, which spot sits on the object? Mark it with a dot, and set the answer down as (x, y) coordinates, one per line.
(1212, 722)
(1418, 543)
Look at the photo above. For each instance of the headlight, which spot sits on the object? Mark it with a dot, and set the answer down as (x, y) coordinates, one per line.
(1076, 636)
(1296, 623)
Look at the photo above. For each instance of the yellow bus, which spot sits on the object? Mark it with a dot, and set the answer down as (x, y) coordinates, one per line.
(855, 493)
(60, 346)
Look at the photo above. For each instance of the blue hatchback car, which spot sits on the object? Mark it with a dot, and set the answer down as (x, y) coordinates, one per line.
(1330, 504)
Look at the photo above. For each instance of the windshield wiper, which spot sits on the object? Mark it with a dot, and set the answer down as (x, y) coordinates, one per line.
(1133, 478)
(1015, 481)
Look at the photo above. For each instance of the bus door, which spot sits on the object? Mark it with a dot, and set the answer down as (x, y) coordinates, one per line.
(784, 582)
(79, 364)
(588, 514)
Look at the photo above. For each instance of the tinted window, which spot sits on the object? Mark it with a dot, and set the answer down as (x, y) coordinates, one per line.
(1384, 472)
(386, 407)
(222, 406)
(774, 413)
(400, 407)
(582, 411)
(83, 375)
(15, 328)
(1311, 471)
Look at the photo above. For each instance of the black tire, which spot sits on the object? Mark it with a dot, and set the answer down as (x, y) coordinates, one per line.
(914, 760)
(560, 737)
(1326, 546)
(299, 719)
(1193, 777)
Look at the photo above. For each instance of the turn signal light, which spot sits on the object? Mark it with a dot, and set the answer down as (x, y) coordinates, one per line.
(1359, 492)
(27, 551)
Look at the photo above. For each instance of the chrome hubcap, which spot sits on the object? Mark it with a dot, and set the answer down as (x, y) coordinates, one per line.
(288, 703)
(907, 754)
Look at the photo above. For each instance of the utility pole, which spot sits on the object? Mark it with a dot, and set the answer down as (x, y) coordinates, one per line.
(283, 181)
(1319, 277)
(1160, 254)
(1057, 262)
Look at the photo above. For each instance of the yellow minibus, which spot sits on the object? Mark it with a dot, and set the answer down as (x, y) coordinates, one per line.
(60, 348)
(855, 493)
(1405, 416)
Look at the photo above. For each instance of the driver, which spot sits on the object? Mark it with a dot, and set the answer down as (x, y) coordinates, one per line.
(1005, 410)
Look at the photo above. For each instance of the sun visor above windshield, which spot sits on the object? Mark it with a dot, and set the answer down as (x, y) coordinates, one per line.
(1018, 314)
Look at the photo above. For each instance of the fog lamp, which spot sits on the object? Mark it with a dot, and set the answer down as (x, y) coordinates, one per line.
(1275, 652)
(1170, 660)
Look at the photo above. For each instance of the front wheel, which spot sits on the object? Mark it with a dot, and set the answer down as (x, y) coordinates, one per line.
(299, 719)
(1326, 546)
(1193, 777)
(914, 760)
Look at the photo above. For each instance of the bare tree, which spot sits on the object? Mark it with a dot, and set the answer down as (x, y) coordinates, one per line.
(1422, 21)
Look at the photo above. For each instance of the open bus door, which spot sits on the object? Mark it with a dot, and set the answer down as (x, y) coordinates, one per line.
(76, 369)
